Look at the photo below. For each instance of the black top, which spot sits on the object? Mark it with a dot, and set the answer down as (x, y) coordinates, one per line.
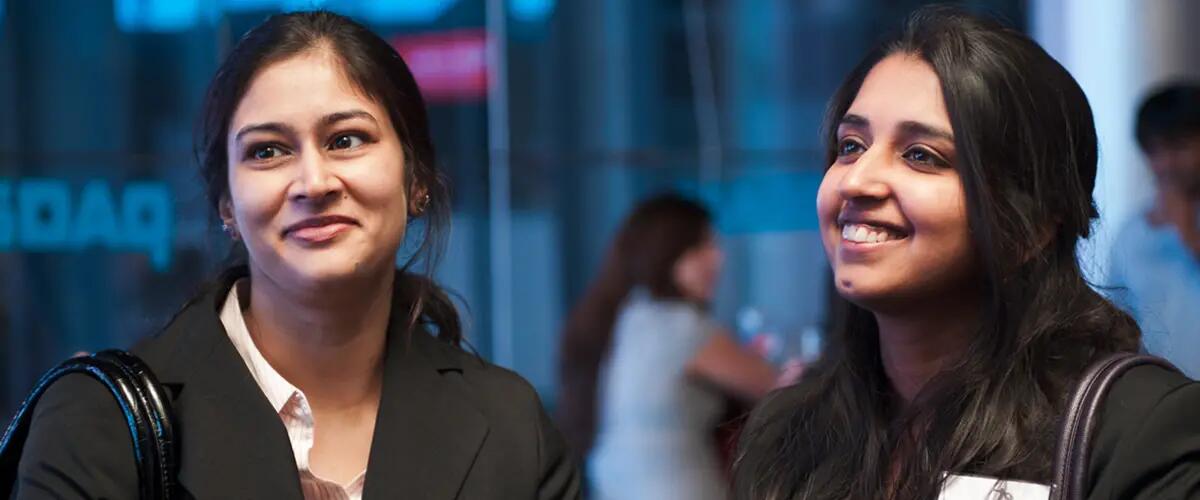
(1148, 444)
(449, 426)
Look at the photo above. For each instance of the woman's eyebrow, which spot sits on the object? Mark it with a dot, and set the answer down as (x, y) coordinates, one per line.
(855, 121)
(326, 121)
(918, 129)
(276, 127)
(333, 118)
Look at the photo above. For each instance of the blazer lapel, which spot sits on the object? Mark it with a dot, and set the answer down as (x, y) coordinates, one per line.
(427, 433)
(232, 443)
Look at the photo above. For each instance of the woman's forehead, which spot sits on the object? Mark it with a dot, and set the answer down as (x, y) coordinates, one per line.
(302, 89)
(901, 88)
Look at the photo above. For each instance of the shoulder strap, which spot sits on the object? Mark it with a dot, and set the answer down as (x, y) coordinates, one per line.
(1080, 421)
(147, 411)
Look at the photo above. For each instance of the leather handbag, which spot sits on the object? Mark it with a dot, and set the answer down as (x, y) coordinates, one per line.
(144, 403)
(1081, 419)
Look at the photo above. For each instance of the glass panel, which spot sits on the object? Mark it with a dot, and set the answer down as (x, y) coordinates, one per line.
(105, 231)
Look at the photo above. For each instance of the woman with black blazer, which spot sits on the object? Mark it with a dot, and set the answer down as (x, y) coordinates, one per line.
(317, 369)
(961, 162)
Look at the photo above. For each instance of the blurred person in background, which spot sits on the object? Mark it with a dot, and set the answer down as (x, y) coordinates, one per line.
(1155, 267)
(962, 160)
(645, 369)
(315, 368)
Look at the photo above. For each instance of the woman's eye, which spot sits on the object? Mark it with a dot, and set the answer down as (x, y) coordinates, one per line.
(923, 157)
(266, 152)
(848, 147)
(346, 141)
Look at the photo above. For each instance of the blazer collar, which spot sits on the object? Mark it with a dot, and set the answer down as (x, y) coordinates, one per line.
(428, 432)
(233, 444)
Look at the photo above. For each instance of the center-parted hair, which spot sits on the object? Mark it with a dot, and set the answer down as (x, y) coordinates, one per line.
(376, 70)
(1027, 156)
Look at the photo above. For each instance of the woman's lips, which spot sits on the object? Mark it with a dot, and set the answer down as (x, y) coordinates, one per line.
(319, 234)
(859, 240)
(319, 229)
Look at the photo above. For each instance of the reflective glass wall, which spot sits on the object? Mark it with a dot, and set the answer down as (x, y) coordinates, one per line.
(580, 109)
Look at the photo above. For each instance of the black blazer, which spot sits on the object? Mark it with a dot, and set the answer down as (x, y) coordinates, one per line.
(450, 426)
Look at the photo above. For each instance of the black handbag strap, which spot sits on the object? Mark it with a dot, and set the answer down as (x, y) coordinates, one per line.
(147, 411)
(1081, 419)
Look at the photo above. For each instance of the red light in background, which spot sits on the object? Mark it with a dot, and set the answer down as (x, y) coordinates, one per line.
(450, 66)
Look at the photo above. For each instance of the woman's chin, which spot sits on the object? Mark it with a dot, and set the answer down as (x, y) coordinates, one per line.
(323, 271)
(863, 293)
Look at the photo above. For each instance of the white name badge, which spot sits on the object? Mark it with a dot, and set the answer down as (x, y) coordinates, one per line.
(962, 487)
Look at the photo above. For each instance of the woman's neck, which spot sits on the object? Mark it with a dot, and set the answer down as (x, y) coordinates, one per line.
(327, 342)
(917, 345)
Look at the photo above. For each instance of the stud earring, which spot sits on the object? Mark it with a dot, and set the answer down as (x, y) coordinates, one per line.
(424, 204)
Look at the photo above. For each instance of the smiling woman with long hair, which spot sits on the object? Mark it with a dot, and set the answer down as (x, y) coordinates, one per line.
(961, 161)
(316, 368)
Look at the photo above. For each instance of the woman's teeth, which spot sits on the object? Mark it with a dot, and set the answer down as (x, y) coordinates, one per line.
(862, 233)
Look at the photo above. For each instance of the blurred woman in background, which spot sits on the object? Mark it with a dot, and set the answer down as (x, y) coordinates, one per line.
(645, 369)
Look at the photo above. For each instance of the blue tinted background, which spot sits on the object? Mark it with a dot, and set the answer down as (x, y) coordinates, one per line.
(104, 230)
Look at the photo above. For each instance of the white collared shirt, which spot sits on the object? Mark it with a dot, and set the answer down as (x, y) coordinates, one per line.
(289, 403)
(967, 487)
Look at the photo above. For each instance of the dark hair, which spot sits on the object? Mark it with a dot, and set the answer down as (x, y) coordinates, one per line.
(1026, 154)
(1170, 112)
(376, 70)
(647, 246)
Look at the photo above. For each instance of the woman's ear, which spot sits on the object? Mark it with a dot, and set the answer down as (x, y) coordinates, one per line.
(418, 199)
(228, 223)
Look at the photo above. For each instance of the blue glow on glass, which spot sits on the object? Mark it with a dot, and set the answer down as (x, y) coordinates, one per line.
(249, 5)
(407, 11)
(530, 10)
(46, 215)
(156, 15)
(294, 5)
(178, 15)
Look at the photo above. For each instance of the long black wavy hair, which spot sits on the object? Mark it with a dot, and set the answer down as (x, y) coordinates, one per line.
(1026, 154)
(377, 70)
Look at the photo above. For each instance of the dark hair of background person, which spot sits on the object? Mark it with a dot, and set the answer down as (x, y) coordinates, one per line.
(376, 70)
(1026, 154)
(1170, 113)
(647, 246)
